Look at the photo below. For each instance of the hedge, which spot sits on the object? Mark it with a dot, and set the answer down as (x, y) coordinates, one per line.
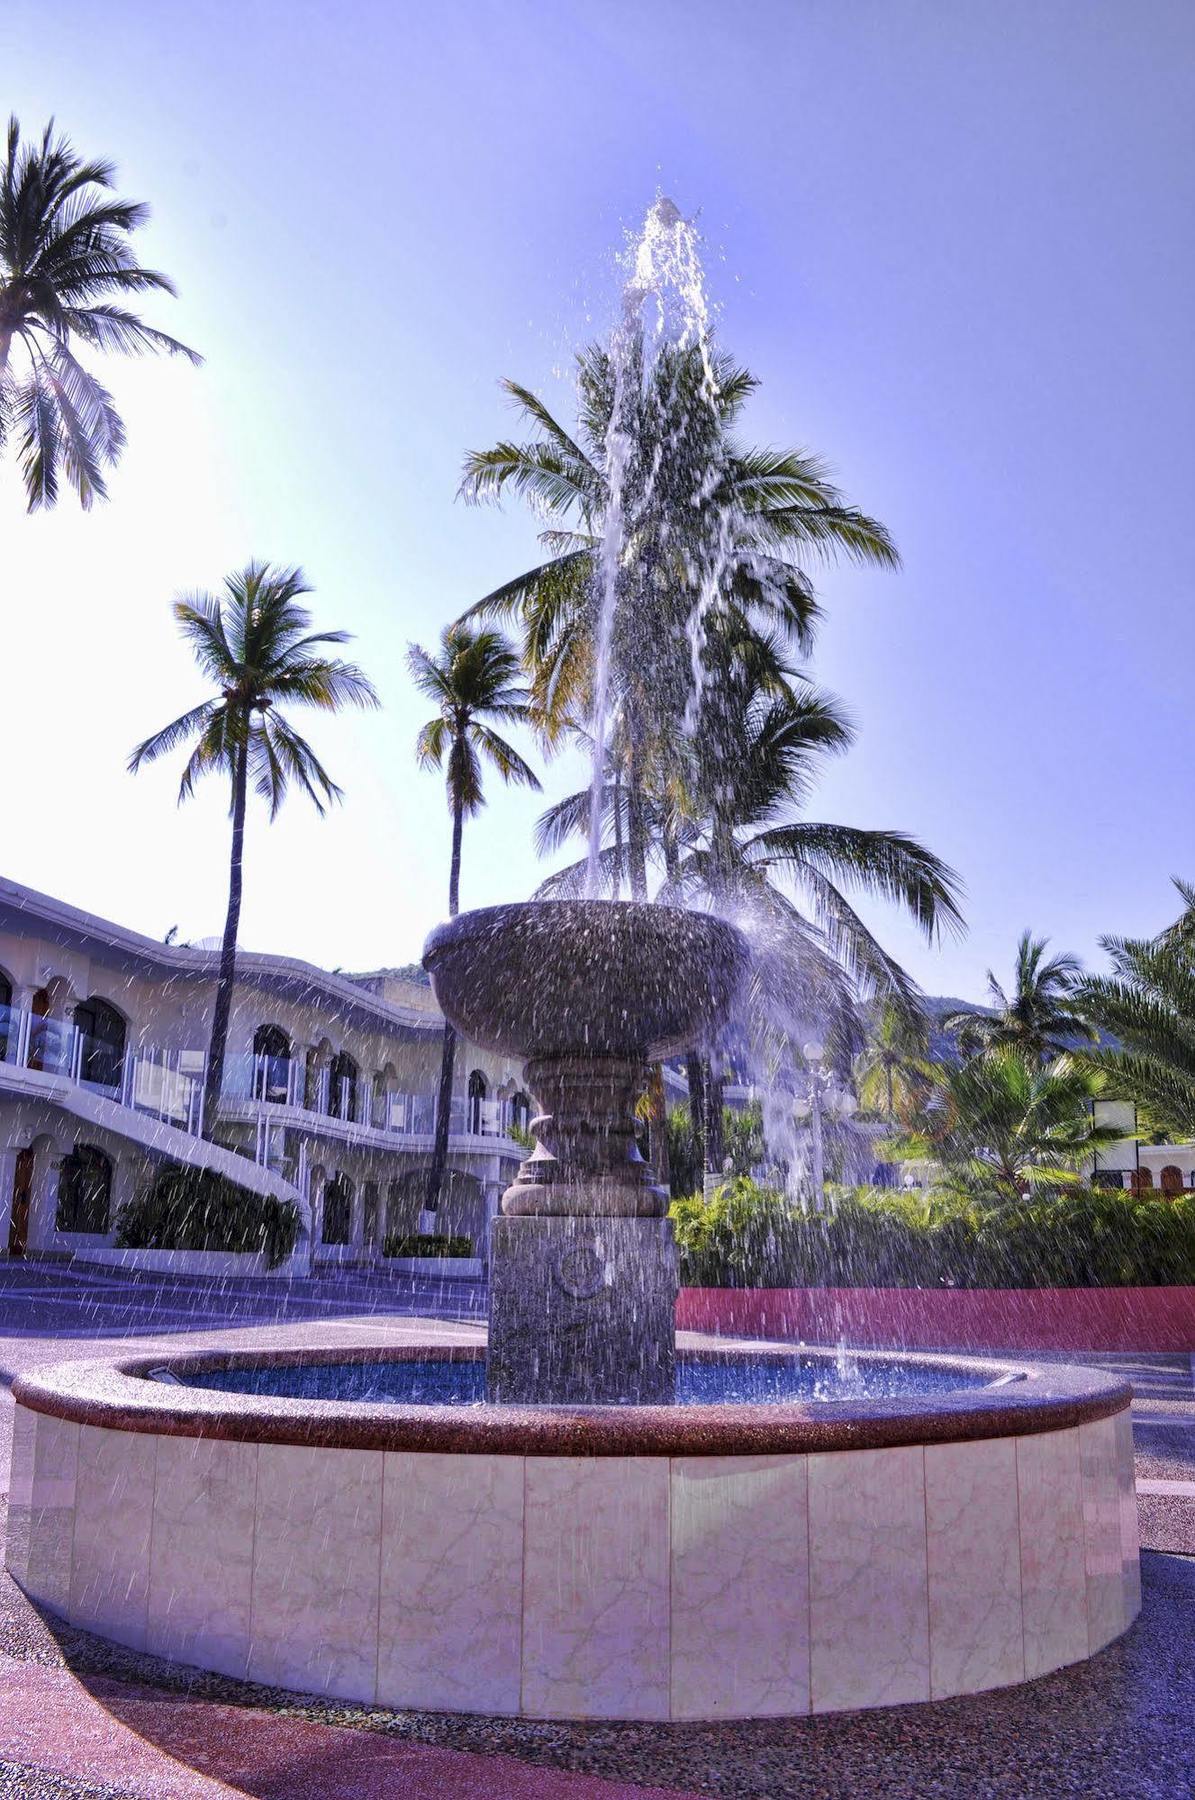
(198, 1209)
(427, 1243)
(746, 1236)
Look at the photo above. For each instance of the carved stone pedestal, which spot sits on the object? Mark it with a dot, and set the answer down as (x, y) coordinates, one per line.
(582, 1310)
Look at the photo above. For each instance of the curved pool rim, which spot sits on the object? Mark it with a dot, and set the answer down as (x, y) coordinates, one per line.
(121, 1393)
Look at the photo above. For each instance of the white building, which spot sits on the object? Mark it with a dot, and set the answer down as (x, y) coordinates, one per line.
(328, 1096)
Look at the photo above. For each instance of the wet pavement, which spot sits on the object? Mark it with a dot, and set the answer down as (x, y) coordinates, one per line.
(84, 1720)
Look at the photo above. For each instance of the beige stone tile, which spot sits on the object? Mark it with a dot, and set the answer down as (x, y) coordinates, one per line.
(450, 1624)
(975, 1631)
(1101, 1532)
(1130, 1562)
(316, 1551)
(595, 1587)
(868, 1578)
(52, 1512)
(20, 1494)
(1053, 1567)
(740, 1586)
(201, 1556)
(113, 1512)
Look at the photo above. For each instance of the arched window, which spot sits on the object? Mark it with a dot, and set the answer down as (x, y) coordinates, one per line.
(342, 1087)
(84, 1190)
(7, 1028)
(271, 1065)
(1171, 1180)
(477, 1094)
(338, 1210)
(102, 1039)
(520, 1111)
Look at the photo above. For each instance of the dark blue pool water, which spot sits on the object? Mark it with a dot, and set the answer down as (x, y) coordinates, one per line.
(739, 1380)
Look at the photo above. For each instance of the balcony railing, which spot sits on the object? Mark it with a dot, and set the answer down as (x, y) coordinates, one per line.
(280, 1081)
(168, 1085)
(163, 1084)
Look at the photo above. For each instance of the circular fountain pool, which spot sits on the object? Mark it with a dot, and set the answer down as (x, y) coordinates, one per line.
(362, 1525)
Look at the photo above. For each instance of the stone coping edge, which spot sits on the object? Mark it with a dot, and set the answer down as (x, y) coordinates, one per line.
(117, 1394)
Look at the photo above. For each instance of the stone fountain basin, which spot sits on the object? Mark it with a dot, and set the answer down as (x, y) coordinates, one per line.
(655, 1562)
(555, 978)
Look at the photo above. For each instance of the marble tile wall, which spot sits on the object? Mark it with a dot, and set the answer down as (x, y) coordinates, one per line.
(1099, 1464)
(109, 1584)
(974, 1557)
(1053, 1561)
(316, 1570)
(868, 1583)
(450, 1630)
(595, 1587)
(740, 1586)
(624, 1587)
(201, 1554)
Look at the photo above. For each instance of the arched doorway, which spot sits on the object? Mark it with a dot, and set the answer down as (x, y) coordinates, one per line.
(342, 1087)
(7, 1028)
(520, 1111)
(1171, 1181)
(338, 1210)
(22, 1195)
(475, 1114)
(369, 1203)
(84, 1191)
(101, 1042)
(271, 1065)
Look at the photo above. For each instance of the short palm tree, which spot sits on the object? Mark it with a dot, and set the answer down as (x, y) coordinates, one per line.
(475, 679)
(65, 267)
(893, 1070)
(1041, 1017)
(1148, 1005)
(255, 644)
(694, 504)
(1006, 1124)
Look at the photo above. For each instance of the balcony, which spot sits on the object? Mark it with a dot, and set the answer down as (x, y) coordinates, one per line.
(265, 1086)
(166, 1085)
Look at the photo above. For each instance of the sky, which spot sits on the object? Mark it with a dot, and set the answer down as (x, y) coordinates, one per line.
(956, 243)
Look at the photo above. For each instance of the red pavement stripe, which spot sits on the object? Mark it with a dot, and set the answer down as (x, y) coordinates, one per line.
(162, 1748)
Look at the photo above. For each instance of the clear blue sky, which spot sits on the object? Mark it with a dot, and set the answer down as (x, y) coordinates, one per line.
(954, 241)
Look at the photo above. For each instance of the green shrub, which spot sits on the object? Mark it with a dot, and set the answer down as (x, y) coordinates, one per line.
(748, 1236)
(198, 1209)
(427, 1243)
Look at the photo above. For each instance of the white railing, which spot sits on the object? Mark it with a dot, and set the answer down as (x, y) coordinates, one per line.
(163, 1084)
(284, 1081)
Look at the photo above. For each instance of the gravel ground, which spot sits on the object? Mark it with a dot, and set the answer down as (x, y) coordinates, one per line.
(18, 1782)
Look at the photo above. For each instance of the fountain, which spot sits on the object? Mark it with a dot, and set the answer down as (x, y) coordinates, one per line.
(583, 1276)
(584, 1521)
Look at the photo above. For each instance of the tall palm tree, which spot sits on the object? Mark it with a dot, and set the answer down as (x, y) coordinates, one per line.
(65, 266)
(254, 642)
(1041, 1017)
(474, 680)
(694, 505)
(893, 1070)
(1148, 1004)
(1005, 1123)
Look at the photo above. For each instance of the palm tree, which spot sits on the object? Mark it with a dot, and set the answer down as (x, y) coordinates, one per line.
(475, 679)
(1148, 1004)
(1005, 1123)
(893, 1070)
(694, 503)
(1041, 1017)
(65, 266)
(255, 644)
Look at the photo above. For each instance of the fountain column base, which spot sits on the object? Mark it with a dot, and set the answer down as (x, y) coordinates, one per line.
(582, 1310)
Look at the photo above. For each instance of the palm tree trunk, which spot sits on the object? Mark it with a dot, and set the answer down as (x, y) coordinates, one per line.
(6, 335)
(226, 980)
(888, 1073)
(439, 1163)
(658, 1127)
(696, 1079)
(636, 824)
(715, 1136)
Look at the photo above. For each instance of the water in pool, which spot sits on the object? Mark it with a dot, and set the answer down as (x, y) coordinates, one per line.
(737, 1380)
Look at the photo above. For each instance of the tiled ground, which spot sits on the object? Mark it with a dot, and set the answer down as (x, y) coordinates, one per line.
(81, 1720)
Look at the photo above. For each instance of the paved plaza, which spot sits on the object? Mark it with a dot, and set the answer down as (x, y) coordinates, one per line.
(79, 1717)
